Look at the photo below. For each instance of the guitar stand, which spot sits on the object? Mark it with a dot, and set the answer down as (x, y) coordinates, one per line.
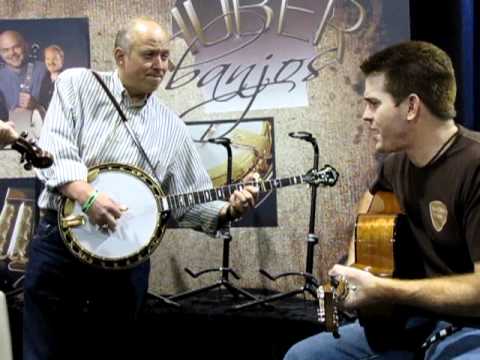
(225, 269)
(167, 301)
(164, 215)
(311, 283)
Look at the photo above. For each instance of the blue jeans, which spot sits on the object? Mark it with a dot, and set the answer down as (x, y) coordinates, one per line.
(75, 311)
(354, 343)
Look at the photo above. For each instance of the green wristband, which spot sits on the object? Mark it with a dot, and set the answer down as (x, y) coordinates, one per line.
(91, 199)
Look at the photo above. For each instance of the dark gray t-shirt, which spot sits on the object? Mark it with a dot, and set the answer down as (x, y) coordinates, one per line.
(442, 205)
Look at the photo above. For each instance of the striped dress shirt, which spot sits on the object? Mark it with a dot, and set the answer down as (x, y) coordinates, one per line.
(83, 129)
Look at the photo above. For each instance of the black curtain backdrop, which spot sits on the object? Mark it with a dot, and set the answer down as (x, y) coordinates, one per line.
(453, 25)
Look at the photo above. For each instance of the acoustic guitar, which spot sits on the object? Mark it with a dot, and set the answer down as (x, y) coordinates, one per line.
(376, 239)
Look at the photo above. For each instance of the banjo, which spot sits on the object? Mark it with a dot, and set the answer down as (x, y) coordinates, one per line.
(140, 229)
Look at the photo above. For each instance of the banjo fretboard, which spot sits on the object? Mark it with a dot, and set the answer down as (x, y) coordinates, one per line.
(223, 193)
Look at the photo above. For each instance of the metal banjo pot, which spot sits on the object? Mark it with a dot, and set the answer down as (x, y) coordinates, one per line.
(139, 230)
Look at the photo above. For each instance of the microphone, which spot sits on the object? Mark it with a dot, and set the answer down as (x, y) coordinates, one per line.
(225, 142)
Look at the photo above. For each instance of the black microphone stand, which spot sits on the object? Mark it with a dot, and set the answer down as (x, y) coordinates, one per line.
(225, 269)
(311, 282)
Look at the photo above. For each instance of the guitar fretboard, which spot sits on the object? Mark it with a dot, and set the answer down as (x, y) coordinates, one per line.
(223, 193)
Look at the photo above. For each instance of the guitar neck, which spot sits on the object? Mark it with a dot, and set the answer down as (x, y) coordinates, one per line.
(223, 193)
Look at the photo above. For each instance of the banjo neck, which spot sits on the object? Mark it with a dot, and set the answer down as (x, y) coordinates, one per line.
(186, 200)
(326, 176)
(224, 192)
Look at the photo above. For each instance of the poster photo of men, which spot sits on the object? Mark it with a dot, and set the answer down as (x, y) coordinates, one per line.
(32, 54)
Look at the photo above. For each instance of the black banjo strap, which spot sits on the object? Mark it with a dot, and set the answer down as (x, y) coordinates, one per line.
(125, 122)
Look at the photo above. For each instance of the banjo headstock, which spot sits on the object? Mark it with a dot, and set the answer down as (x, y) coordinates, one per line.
(32, 154)
(326, 176)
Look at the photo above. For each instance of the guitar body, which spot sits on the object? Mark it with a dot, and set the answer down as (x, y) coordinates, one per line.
(385, 247)
(380, 237)
(376, 235)
(377, 242)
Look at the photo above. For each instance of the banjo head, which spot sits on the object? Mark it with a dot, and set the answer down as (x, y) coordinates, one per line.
(139, 230)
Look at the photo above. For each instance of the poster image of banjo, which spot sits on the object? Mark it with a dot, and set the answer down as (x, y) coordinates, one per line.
(252, 147)
(32, 54)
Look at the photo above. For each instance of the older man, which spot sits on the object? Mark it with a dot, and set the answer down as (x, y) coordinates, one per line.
(18, 89)
(71, 309)
(54, 60)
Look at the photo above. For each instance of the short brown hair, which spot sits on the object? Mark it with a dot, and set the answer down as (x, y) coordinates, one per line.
(417, 67)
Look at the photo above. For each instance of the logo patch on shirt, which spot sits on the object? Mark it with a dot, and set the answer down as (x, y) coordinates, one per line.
(438, 214)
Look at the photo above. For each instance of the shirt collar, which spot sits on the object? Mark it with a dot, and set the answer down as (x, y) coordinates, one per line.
(121, 94)
(118, 88)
